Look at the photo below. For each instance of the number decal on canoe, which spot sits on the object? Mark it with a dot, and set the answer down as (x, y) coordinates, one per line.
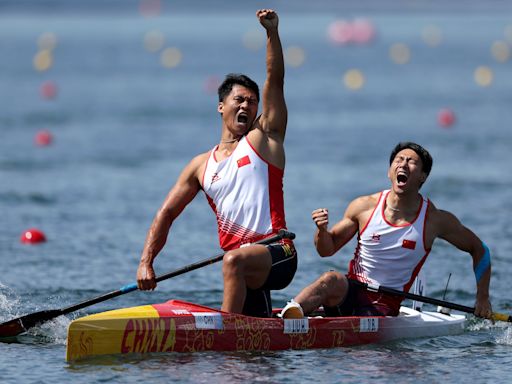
(206, 320)
(296, 325)
(369, 324)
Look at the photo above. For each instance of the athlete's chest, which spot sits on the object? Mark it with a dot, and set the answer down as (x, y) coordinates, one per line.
(241, 170)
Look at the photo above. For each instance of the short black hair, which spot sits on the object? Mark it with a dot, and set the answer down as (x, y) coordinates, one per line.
(237, 79)
(426, 159)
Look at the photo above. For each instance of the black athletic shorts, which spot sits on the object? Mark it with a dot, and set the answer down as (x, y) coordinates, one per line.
(258, 302)
(360, 302)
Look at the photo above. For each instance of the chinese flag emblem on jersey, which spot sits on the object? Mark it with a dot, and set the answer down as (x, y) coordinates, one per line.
(409, 244)
(243, 161)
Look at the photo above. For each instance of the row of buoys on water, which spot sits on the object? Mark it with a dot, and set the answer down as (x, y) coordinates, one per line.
(43, 61)
(48, 90)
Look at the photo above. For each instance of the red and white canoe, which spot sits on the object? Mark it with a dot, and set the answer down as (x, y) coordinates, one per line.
(179, 326)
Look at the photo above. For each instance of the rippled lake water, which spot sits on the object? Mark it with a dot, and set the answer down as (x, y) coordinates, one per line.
(124, 126)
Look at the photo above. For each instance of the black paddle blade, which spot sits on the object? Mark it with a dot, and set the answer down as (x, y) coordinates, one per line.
(22, 324)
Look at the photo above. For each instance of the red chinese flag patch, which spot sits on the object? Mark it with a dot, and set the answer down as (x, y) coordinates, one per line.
(409, 244)
(243, 161)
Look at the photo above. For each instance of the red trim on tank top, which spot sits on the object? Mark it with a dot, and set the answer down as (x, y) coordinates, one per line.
(263, 159)
(206, 167)
(425, 228)
(415, 272)
(373, 212)
(275, 185)
(213, 153)
(276, 198)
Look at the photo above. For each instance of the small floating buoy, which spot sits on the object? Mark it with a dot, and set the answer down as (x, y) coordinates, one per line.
(340, 32)
(446, 117)
(363, 31)
(32, 236)
(43, 138)
(48, 90)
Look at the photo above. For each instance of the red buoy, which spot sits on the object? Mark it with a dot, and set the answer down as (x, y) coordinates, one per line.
(32, 236)
(446, 117)
(48, 90)
(43, 138)
(363, 31)
(340, 32)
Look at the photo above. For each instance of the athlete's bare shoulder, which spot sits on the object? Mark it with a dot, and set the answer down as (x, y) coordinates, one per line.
(360, 209)
(201, 158)
(366, 202)
(441, 220)
(195, 168)
(438, 216)
(267, 143)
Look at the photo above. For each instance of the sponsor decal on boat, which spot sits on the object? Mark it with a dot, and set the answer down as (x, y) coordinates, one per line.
(205, 320)
(180, 311)
(369, 324)
(296, 325)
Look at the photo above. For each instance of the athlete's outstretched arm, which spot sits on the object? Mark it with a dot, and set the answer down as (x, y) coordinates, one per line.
(181, 194)
(452, 230)
(274, 115)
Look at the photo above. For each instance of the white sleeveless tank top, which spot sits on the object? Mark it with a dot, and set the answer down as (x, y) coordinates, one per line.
(246, 194)
(387, 254)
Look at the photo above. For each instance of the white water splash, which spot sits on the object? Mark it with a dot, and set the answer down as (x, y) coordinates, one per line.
(54, 331)
(478, 324)
(8, 303)
(502, 330)
(506, 337)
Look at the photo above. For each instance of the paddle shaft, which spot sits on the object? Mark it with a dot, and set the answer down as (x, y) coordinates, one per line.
(282, 234)
(429, 300)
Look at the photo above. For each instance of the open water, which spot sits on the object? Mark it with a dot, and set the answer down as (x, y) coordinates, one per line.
(124, 123)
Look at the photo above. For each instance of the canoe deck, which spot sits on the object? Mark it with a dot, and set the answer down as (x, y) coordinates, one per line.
(179, 326)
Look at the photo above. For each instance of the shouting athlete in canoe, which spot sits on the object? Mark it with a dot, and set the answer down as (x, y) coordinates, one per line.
(242, 178)
(395, 231)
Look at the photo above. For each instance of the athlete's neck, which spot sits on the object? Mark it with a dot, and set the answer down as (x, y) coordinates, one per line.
(402, 204)
(230, 140)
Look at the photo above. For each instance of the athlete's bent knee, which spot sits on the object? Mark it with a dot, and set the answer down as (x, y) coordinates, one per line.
(332, 279)
(232, 263)
(335, 286)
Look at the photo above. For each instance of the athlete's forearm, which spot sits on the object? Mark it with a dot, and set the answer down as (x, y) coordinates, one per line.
(324, 243)
(275, 59)
(482, 268)
(156, 237)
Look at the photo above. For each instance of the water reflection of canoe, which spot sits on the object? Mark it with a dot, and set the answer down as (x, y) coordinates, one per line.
(178, 326)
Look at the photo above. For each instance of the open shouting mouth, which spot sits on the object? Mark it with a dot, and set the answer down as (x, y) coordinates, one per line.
(242, 118)
(401, 178)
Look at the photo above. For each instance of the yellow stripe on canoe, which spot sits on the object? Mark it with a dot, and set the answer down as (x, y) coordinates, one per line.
(124, 313)
(138, 329)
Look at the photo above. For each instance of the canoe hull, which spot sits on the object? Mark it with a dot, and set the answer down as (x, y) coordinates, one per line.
(178, 326)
